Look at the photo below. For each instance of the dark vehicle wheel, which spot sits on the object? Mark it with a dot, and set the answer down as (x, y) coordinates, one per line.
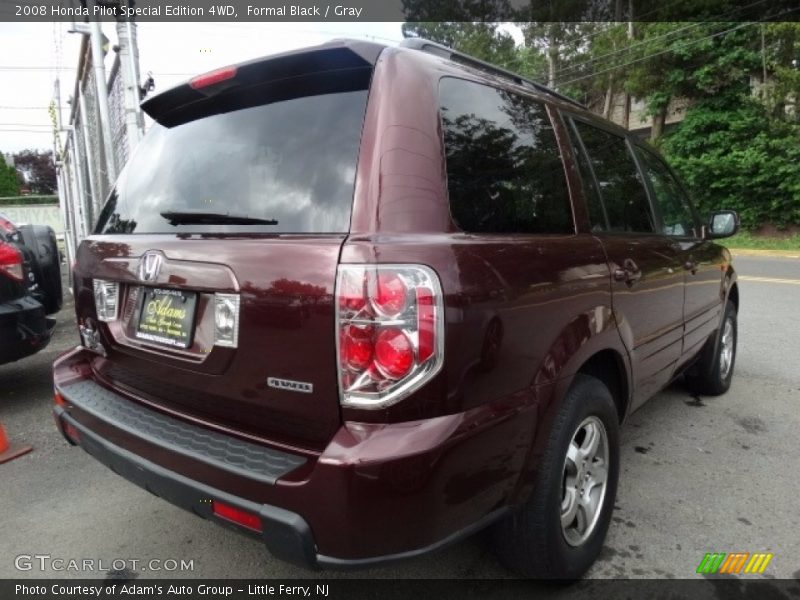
(46, 265)
(711, 375)
(559, 533)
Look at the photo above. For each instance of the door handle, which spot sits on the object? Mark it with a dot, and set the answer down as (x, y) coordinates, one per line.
(630, 272)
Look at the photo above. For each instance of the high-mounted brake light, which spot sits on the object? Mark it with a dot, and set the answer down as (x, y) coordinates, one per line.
(390, 332)
(11, 262)
(212, 78)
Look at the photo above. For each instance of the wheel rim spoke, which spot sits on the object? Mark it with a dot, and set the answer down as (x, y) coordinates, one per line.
(598, 474)
(569, 507)
(573, 456)
(587, 507)
(591, 442)
(726, 349)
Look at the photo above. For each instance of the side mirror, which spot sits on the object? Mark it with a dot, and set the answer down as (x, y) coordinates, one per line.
(723, 223)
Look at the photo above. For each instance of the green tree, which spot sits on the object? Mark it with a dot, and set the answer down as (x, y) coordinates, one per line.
(9, 186)
(39, 169)
(734, 154)
(481, 40)
(780, 68)
(693, 61)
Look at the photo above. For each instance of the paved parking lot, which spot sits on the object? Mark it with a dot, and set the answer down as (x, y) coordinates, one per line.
(698, 475)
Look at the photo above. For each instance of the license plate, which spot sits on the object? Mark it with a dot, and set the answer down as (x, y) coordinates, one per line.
(167, 317)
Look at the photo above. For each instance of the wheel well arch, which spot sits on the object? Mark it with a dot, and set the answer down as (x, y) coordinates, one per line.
(733, 295)
(609, 367)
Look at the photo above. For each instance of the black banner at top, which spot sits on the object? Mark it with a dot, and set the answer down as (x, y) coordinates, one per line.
(398, 10)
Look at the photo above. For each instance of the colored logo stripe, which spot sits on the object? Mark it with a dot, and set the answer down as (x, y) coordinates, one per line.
(711, 562)
(758, 562)
(733, 563)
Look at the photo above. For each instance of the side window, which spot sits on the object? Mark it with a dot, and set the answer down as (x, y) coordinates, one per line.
(594, 204)
(622, 191)
(504, 169)
(676, 211)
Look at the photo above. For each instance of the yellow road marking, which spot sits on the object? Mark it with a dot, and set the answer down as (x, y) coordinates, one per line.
(769, 280)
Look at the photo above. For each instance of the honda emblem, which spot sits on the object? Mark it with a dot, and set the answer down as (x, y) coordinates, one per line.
(150, 265)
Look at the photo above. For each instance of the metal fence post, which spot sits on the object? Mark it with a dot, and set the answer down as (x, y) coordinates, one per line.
(102, 98)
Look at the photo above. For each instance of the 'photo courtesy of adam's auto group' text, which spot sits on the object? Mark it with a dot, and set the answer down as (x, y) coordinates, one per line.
(399, 298)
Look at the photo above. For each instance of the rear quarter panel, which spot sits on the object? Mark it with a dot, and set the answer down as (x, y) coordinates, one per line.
(523, 312)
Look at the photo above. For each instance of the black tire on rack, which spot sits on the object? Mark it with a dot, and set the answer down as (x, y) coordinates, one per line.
(46, 264)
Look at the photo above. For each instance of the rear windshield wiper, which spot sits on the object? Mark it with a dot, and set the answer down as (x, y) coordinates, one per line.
(207, 218)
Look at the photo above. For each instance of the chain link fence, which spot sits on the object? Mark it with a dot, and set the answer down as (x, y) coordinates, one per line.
(85, 170)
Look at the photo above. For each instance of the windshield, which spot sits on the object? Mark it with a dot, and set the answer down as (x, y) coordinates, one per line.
(282, 167)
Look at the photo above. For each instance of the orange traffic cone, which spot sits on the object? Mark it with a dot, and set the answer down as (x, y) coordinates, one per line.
(6, 451)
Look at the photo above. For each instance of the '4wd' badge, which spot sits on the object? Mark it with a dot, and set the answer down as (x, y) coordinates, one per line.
(289, 385)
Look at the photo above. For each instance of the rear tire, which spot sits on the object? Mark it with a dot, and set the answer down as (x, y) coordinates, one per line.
(711, 375)
(547, 537)
(46, 264)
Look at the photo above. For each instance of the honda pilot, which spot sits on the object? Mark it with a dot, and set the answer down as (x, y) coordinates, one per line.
(361, 302)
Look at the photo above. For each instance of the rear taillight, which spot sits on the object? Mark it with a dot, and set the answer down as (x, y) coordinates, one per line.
(106, 299)
(11, 262)
(390, 332)
(226, 320)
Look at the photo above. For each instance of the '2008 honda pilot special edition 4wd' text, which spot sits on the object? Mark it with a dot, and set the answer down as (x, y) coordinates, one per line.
(363, 301)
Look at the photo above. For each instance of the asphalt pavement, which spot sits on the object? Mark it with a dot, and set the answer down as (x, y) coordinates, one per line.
(698, 475)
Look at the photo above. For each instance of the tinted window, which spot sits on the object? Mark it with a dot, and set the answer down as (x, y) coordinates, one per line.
(292, 161)
(597, 214)
(504, 170)
(676, 212)
(621, 189)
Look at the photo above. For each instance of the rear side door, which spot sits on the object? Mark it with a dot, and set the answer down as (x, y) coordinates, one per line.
(647, 274)
(702, 261)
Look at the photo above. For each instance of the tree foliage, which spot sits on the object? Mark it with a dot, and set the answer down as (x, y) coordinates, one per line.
(734, 155)
(9, 186)
(39, 170)
(739, 144)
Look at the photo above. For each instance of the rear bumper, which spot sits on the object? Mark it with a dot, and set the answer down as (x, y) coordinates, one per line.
(376, 494)
(24, 329)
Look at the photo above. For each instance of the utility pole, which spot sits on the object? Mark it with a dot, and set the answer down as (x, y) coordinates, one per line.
(626, 109)
(61, 171)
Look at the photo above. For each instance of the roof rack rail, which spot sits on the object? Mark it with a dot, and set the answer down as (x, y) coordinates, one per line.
(423, 45)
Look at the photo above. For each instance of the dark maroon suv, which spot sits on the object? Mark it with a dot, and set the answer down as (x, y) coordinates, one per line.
(363, 301)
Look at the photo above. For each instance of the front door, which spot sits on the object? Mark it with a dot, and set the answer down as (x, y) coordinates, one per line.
(702, 261)
(646, 268)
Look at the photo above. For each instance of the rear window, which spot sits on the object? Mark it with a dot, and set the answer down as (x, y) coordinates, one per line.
(291, 162)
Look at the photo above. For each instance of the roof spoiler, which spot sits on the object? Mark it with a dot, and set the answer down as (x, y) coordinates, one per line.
(340, 56)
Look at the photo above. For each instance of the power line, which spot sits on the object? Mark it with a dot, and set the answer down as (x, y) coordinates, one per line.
(50, 132)
(672, 48)
(34, 68)
(629, 49)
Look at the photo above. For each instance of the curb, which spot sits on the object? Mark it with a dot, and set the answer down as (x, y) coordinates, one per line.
(765, 253)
